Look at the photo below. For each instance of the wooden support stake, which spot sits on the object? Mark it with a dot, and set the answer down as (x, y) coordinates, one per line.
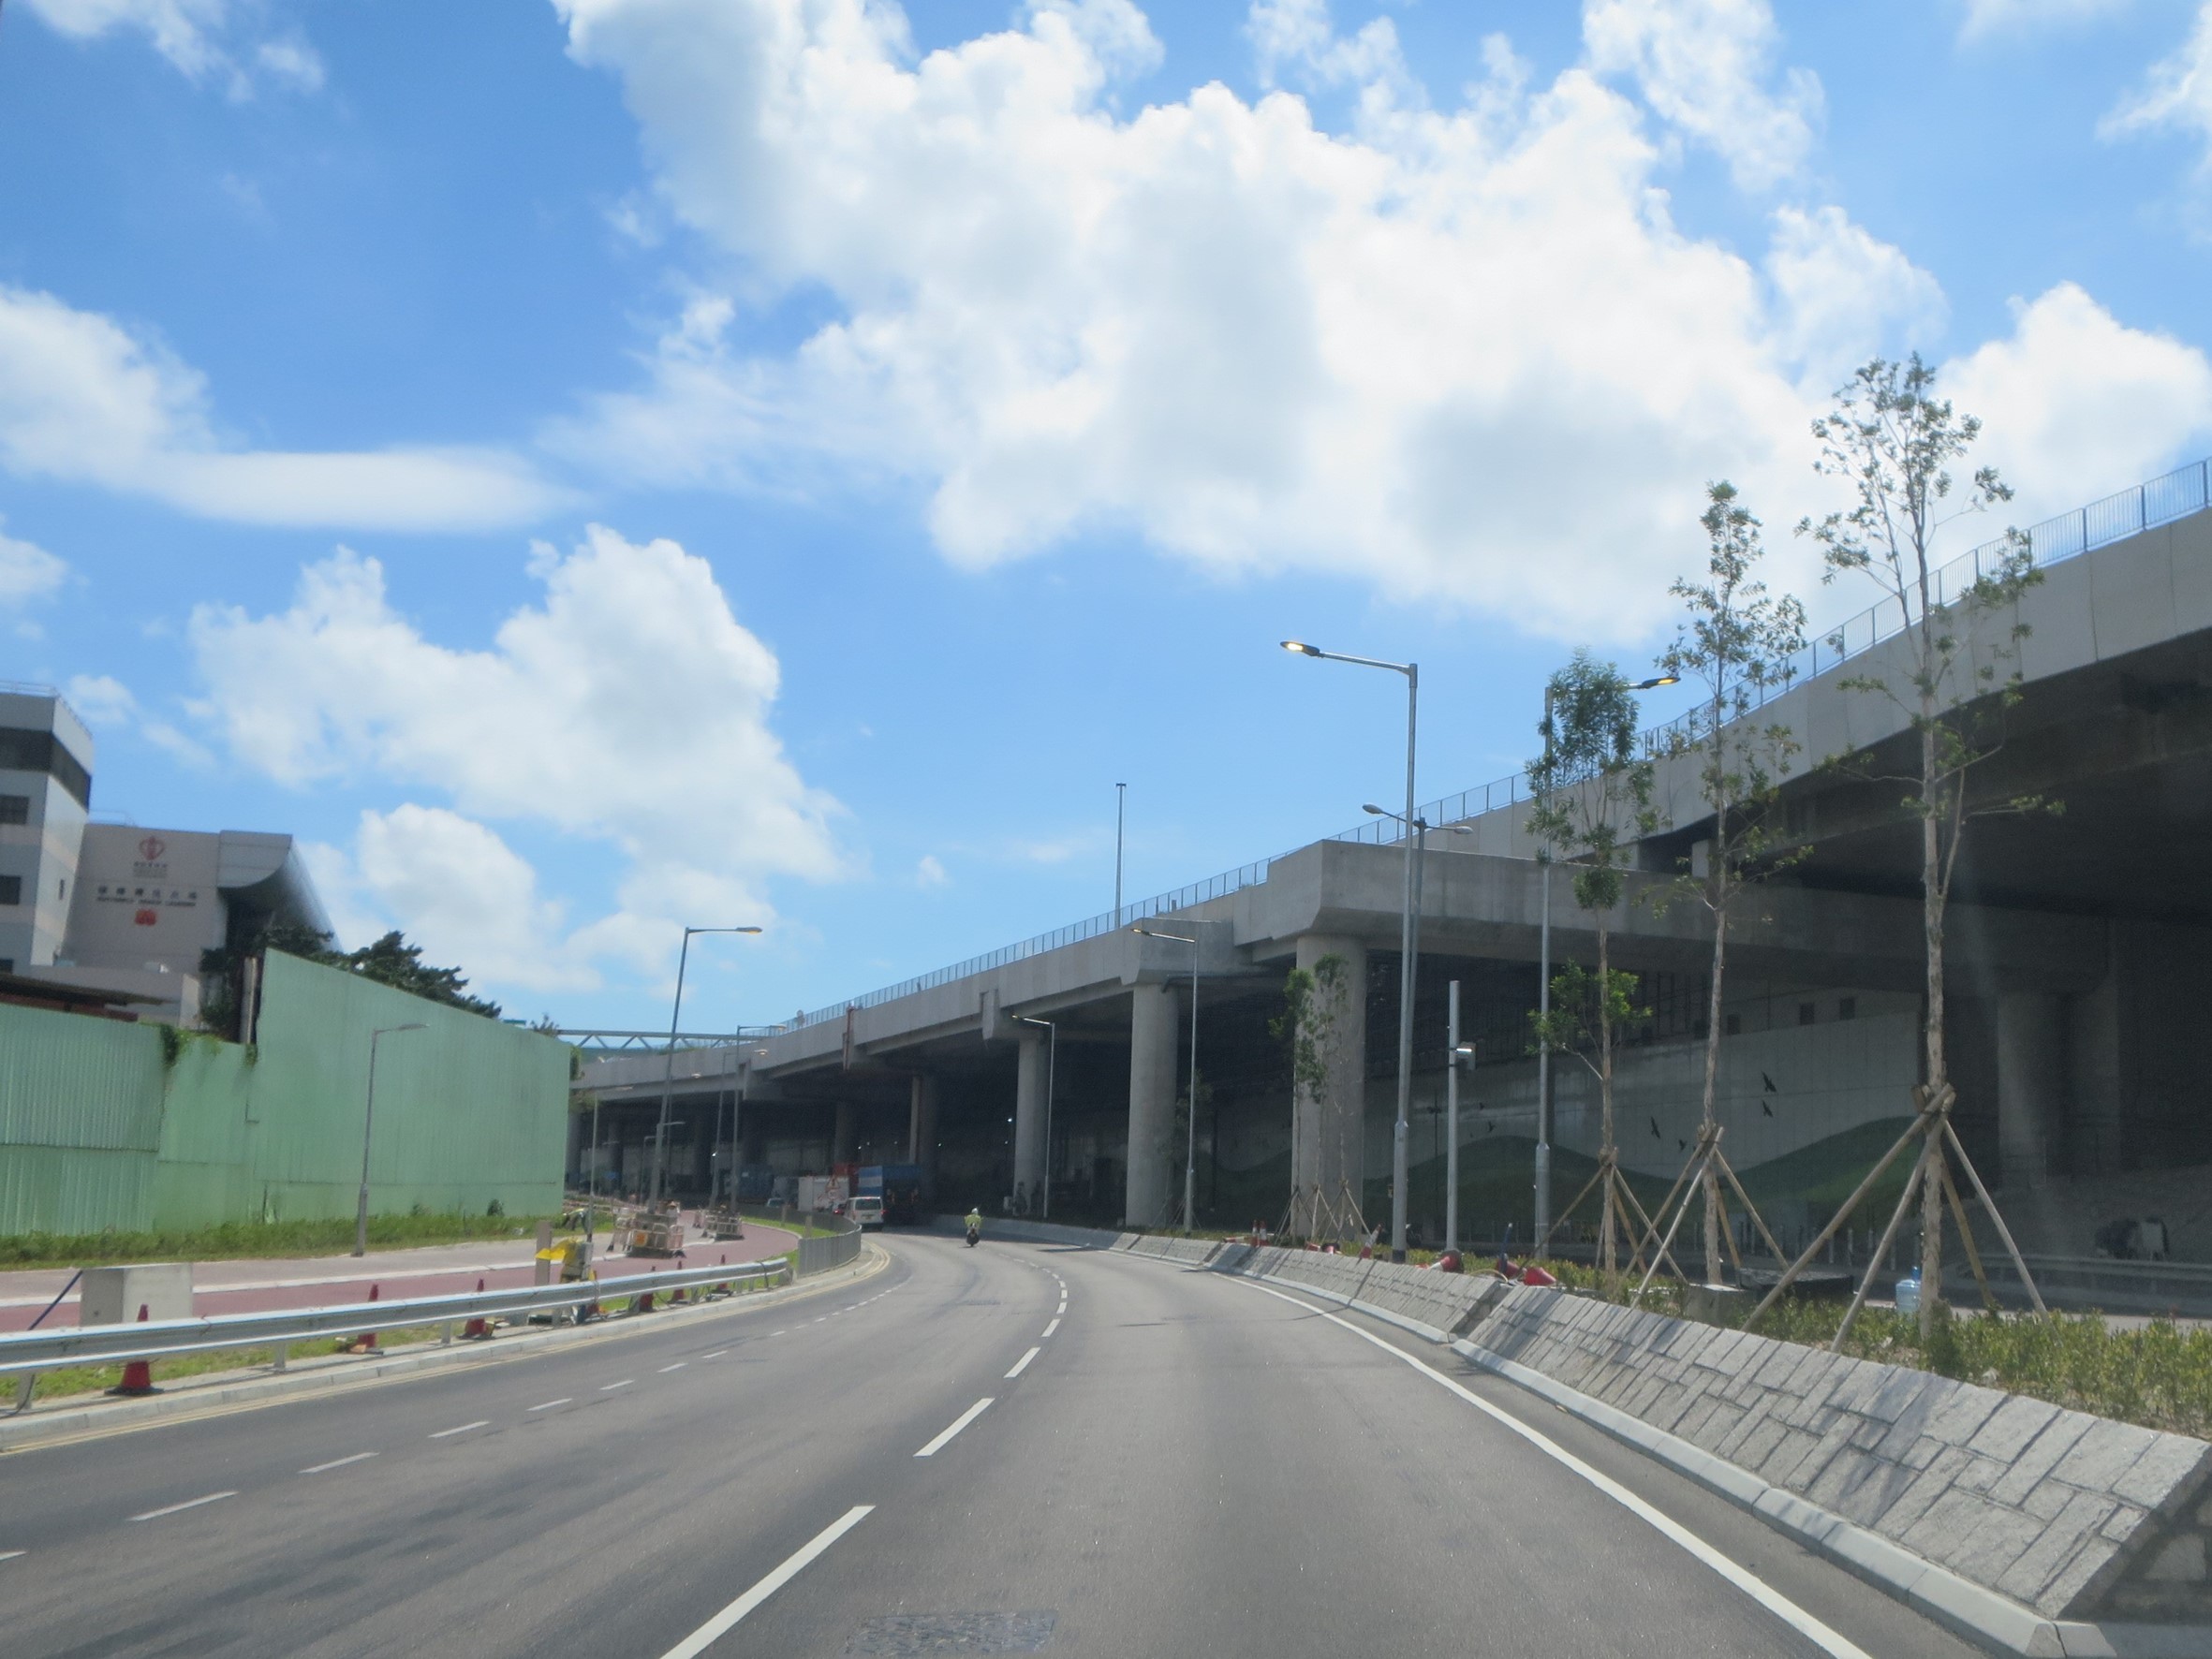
(1920, 1173)
(1919, 1126)
(1996, 1220)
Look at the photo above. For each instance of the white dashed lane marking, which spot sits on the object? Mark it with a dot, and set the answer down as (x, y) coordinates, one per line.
(337, 1463)
(960, 1422)
(188, 1504)
(548, 1406)
(464, 1429)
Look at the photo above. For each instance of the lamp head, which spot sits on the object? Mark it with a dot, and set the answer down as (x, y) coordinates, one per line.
(1302, 647)
(1377, 812)
(1656, 682)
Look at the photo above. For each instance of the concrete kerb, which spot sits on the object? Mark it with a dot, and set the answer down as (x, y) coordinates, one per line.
(67, 1423)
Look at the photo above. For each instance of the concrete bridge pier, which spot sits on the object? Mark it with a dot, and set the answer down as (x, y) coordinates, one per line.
(841, 1134)
(922, 1130)
(1155, 1024)
(1031, 1079)
(1327, 1125)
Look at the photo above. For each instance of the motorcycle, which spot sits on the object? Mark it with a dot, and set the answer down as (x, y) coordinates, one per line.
(974, 1234)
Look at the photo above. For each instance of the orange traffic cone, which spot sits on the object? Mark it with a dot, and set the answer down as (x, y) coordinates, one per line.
(138, 1376)
(476, 1329)
(644, 1302)
(366, 1342)
(590, 1309)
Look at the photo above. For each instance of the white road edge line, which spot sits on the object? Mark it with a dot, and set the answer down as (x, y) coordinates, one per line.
(700, 1640)
(1780, 1606)
(1022, 1364)
(464, 1429)
(188, 1504)
(960, 1422)
(338, 1462)
(1049, 1329)
(564, 1400)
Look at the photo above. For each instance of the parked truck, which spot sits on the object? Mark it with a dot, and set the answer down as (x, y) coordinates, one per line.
(899, 1188)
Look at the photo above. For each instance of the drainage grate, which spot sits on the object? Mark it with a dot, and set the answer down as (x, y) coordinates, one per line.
(901, 1636)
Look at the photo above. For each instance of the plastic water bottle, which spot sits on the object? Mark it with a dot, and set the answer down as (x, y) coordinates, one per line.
(1908, 1293)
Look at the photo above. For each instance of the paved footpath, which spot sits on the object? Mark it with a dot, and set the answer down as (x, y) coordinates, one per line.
(258, 1286)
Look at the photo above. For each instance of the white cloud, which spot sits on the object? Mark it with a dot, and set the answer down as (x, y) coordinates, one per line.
(2077, 406)
(1842, 295)
(468, 898)
(1463, 355)
(84, 401)
(931, 872)
(2177, 93)
(192, 36)
(1299, 35)
(628, 708)
(101, 699)
(1704, 66)
(27, 571)
(1987, 17)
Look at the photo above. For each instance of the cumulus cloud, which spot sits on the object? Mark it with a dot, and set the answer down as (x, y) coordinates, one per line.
(207, 40)
(2176, 94)
(85, 401)
(628, 708)
(27, 571)
(1704, 66)
(1462, 354)
(1985, 19)
(2076, 404)
(931, 872)
(101, 699)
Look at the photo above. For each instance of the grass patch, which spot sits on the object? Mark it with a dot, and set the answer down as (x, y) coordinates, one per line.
(97, 1379)
(232, 1240)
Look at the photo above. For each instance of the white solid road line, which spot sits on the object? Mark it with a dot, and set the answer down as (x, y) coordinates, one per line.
(1049, 1329)
(339, 1462)
(188, 1504)
(464, 1429)
(1773, 1600)
(700, 1640)
(678, 1366)
(548, 1406)
(962, 1421)
(1022, 1364)
(610, 1388)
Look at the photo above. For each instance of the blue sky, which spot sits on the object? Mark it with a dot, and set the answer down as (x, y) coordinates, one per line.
(594, 465)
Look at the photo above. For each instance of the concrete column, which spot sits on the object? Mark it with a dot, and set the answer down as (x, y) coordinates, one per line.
(1328, 1125)
(1029, 1087)
(921, 1131)
(2030, 1084)
(1156, 1029)
(841, 1134)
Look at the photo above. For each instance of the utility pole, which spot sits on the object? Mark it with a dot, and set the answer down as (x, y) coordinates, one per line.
(1121, 801)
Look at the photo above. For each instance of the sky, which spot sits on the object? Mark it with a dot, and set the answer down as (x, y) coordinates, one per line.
(587, 467)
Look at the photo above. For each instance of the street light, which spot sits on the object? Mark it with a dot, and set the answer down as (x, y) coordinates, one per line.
(668, 1079)
(1543, 1216)
(368, 1122)
(1190, 1145)
(1052, 1060)
(1408, 939)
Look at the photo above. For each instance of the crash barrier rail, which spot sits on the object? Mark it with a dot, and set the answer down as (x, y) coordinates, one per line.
(24, 1354)
(842, 1245)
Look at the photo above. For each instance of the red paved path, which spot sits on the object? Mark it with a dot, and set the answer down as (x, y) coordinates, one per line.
(304, 1282)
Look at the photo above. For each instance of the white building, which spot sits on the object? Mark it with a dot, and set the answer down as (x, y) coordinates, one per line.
(118, 906)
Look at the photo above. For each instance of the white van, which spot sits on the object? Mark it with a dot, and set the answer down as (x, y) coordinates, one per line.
(867, 1209)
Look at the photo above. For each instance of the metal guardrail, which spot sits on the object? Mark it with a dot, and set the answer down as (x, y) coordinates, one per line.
(2177, 494)
(818, 1255)
(26, 1353)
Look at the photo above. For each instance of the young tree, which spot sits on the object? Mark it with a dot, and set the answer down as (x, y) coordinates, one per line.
(1313, 1007)
(1738, 640)
(1895, 442)
(1592, 793)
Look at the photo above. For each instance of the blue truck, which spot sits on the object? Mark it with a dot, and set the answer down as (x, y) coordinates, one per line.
(898, 1189)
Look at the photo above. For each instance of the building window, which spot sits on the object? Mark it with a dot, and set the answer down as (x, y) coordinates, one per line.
(1736, 1025)
(1846, 1007)
(12, 890)
(1806, 1015)
(15, 809)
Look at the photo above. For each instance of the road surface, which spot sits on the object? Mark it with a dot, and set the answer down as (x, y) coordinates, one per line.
(1186, 1464)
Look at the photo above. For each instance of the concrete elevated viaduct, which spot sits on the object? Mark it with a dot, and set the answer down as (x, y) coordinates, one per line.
(2081, 956)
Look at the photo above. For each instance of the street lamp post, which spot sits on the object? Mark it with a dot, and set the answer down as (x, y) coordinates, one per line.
(1051, 1062)
(668, 1079)
(368, 1123)
(1408, 939)
(1190, 1141)
(1121, 803)
(1543, 1216)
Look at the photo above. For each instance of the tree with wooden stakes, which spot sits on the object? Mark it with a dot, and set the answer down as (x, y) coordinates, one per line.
(1592, 793)
(1313, 1010)
(1739, 640)
(1955, 675)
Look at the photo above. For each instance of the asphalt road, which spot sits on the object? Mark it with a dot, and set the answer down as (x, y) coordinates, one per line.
(1188, 1465)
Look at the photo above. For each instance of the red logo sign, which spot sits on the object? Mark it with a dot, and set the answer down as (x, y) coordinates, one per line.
(152, 847)
(146, 919)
